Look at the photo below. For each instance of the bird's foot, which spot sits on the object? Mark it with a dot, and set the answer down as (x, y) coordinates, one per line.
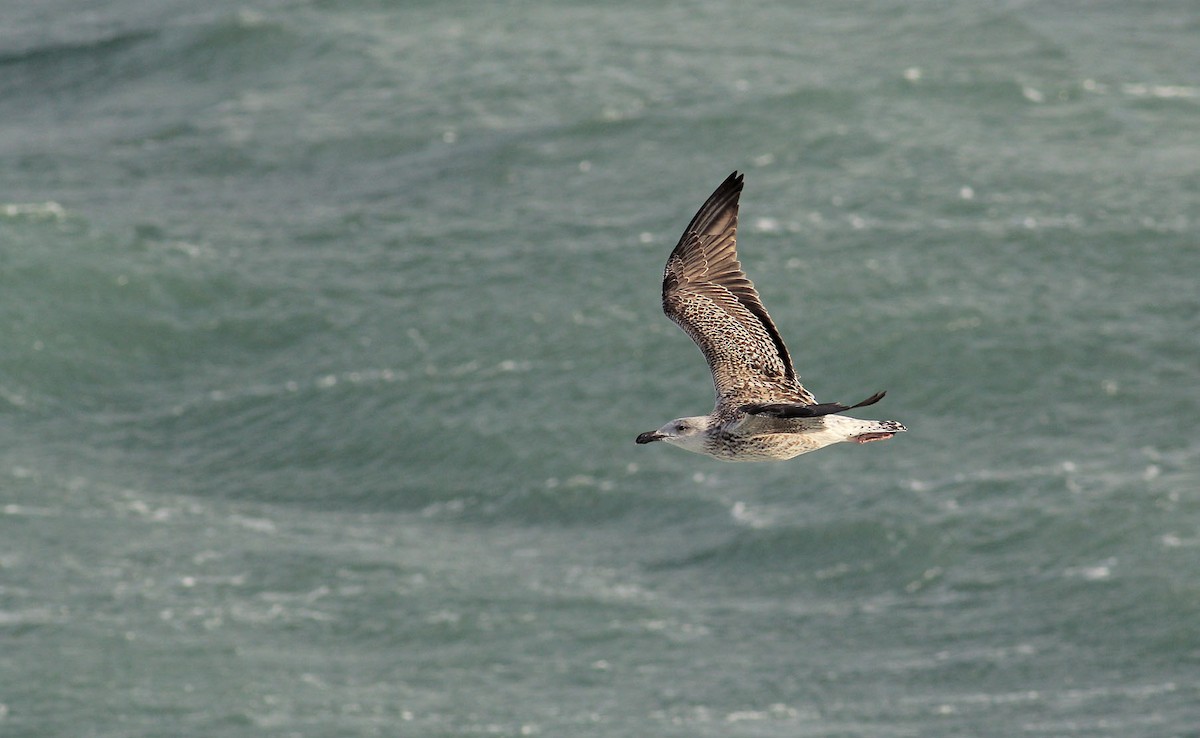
(868, 437)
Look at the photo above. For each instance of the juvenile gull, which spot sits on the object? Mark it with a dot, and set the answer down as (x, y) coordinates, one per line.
(763, 413)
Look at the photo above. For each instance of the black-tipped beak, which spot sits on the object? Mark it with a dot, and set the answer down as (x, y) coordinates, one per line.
(650, 437)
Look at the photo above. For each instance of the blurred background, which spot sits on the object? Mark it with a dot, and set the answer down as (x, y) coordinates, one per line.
(326, 329)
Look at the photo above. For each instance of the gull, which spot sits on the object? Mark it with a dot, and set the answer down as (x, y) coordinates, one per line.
(762, 412)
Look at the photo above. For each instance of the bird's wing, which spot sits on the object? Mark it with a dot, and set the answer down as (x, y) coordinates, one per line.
(804, 410)
(706, 292)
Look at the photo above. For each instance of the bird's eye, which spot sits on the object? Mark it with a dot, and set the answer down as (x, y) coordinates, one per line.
(680, 428)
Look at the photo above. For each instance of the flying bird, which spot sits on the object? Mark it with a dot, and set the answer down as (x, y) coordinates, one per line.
(762, 412)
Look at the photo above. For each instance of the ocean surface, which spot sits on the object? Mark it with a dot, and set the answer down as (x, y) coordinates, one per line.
(326, 329)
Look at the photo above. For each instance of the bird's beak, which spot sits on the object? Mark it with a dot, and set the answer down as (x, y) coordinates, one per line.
(650, 437)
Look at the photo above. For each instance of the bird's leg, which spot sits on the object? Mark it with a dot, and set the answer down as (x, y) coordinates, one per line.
(868, 437)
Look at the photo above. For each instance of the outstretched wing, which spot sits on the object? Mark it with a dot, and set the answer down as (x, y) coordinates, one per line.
(706, 292)
(803, 410)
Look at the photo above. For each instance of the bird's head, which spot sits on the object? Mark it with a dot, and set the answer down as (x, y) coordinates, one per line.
(687, 433)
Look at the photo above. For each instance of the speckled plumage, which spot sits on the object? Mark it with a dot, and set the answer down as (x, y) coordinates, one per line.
(762, 412)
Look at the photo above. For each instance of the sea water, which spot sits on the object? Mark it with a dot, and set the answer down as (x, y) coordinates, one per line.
(327, 328)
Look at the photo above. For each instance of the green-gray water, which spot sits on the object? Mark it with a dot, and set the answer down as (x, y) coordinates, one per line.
(326, 329)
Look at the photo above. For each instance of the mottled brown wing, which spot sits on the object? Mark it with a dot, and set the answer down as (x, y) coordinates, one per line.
(706, 292)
